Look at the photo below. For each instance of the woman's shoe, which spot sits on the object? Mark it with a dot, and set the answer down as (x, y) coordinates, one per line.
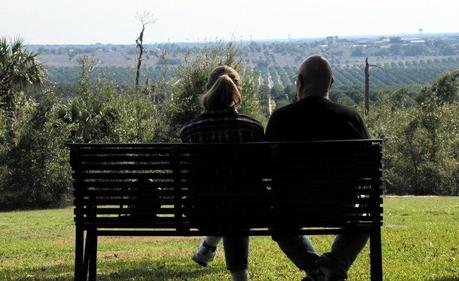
(204, 255)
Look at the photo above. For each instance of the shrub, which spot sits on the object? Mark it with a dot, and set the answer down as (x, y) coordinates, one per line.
(420, 143)
(36, 171)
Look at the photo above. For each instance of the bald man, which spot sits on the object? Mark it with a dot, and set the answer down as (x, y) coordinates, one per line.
(315, 117)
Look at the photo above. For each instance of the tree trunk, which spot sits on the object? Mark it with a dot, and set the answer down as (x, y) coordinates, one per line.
(139, 43)
(367, 86)
(10, 111)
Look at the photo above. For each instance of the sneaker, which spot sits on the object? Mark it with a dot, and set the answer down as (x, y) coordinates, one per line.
(204, 255)
(322, 275)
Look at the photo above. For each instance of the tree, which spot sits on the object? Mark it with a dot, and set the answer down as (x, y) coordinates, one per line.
(443, 90)
(18, 70)
(367, 85)
(145, 19)
(277, 92)
(420, 142)
(36, 170)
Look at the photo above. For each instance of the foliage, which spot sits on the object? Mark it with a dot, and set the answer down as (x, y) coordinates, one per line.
(105, 112)
(35, 172)
(36, 169)
(443, 90)
(251, 98)
(18, 70)
(420, 142)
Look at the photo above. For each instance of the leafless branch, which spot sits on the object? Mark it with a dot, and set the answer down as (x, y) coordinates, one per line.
(145, 19)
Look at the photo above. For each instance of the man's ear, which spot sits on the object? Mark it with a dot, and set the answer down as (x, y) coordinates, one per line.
(299, 85)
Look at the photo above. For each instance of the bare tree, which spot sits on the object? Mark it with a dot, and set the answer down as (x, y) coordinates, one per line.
(145, 19)
(367, 84)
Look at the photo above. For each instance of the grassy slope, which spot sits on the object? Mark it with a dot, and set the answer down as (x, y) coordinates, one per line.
(420, 242)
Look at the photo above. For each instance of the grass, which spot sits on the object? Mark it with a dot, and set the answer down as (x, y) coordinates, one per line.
(420, 242)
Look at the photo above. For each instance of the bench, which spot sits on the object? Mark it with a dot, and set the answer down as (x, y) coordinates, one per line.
(319, 187)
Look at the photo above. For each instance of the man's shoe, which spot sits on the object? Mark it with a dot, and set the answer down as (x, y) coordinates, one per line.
(203, 256)
(314, 276)
(329, 276)
(319, 275)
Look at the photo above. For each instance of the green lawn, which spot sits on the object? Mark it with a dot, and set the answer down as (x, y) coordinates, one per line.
(420, 242)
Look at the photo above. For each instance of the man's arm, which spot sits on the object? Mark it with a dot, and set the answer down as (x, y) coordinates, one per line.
(272, 129)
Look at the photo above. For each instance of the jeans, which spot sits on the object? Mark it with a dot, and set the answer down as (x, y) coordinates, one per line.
(344, 251)
(236, 252)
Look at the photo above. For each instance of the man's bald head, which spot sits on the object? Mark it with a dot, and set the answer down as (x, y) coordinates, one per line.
(314, 77)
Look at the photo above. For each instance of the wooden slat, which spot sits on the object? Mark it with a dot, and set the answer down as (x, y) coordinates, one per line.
(128, 167)
(152, 183)
(126, 176)
(124, 192)
(109, 157)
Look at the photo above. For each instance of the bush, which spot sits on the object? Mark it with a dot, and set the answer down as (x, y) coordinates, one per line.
(37, 171)
(420, 142)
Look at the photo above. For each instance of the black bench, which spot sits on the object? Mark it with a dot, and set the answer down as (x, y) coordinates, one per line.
(322, 187)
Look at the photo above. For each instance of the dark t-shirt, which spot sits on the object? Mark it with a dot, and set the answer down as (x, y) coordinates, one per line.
(315, 118)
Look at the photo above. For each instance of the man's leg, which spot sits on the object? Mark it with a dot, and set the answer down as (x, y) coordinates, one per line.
(344, 252)
(237, 256)
(299, 250)
(212, 240)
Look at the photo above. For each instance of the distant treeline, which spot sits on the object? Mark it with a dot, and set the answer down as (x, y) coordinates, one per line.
(279, 81)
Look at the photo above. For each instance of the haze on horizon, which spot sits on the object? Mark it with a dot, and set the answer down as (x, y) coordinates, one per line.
(114, 21)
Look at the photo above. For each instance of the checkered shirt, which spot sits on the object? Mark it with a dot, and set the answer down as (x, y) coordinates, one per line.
(223, 126)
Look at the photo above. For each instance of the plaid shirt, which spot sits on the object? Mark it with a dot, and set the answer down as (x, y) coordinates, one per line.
(223, 126)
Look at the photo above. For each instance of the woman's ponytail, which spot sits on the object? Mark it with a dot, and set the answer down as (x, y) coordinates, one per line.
(223, 94)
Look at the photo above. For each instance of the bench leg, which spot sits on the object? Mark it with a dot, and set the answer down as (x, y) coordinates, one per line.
(79, 253)
(87, 256)
(93, 257)
(90, 256)
(376, 255)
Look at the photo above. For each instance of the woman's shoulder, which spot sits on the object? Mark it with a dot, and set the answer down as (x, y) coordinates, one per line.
(193, 123)
(248, 119)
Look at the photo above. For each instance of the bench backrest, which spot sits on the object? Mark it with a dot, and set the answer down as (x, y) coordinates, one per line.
(190, 189)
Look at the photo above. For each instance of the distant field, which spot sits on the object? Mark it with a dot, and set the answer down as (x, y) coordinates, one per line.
(401, 73)
(402, 61)
(420, 242)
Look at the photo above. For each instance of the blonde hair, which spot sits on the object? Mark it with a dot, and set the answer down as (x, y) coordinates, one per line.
(223, 89)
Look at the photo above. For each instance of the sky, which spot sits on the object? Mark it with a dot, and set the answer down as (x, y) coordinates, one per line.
(115, 21)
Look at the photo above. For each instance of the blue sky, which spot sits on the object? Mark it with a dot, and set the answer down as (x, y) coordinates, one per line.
(114, 21)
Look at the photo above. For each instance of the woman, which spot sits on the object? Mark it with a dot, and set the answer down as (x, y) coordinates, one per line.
(221, 123)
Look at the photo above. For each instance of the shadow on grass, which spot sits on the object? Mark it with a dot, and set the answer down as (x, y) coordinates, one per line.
(139, 271)
(160, 270)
